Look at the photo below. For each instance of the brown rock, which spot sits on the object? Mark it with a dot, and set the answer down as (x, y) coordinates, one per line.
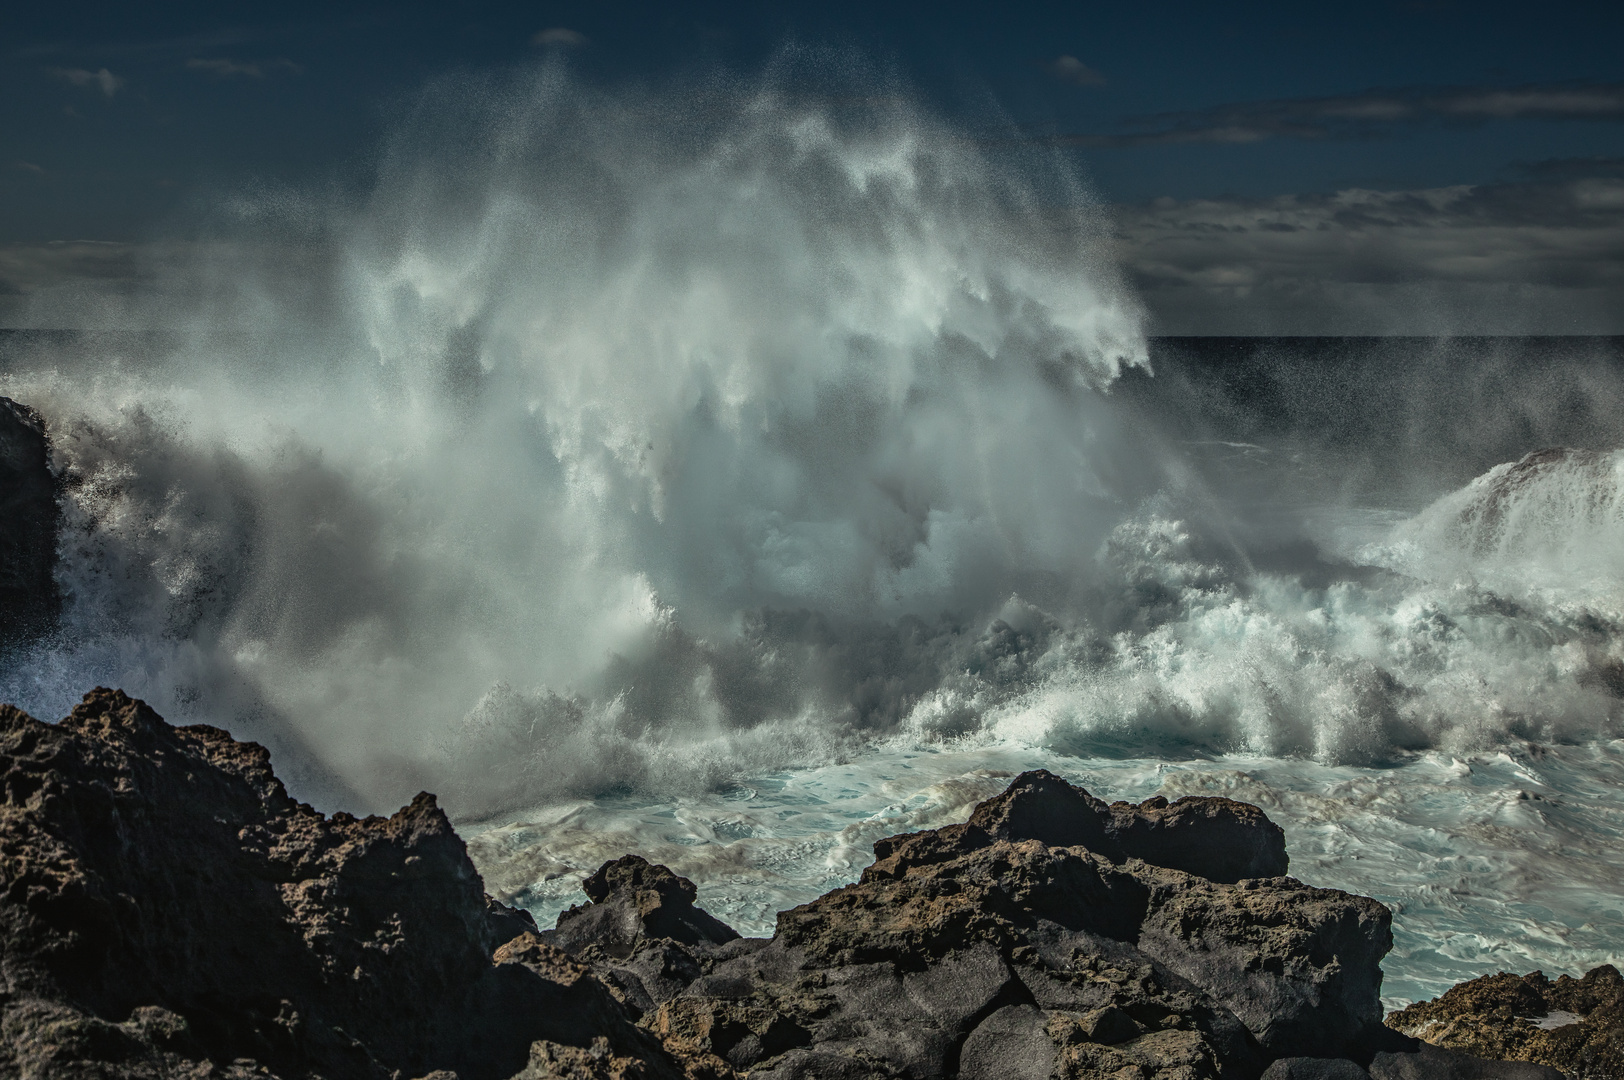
(1039, 805)
(1218, 839)
(632, 901)
(1575, 1025)
(740, 1032)
(167, 910)
(1034, 940)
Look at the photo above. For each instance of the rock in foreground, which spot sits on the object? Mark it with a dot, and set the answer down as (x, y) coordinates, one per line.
(1051, 935)
(167, 910)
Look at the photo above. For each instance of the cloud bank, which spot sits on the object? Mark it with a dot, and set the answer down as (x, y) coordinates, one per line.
(1365, 115)
(103, 80)
(1539, 258)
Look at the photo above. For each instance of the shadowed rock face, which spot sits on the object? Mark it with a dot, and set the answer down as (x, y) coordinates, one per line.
(166, 908)
(28, 524)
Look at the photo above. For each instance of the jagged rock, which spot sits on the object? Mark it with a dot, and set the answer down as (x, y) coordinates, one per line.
(506, 922)
(1008, 946)
(1219, 839)
(167, 910)
(1215, 838)
(738, 1032)
(1299, 966)
(28, 526)
(642, 931)
(1575, 1025)
(631, 901)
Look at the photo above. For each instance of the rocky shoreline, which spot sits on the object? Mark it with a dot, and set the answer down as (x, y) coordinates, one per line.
(168, 910)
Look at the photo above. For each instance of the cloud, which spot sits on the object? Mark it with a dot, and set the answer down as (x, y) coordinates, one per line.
(109, 83)
(29, 166)
(558, 35)
(1500, 258)
(253, 69)
(1569, 168)
(1069, 69)
(1365, 115)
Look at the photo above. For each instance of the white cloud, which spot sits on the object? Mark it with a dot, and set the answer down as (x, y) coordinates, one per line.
(1072, 70)
(559, 35)
(105, 80)
(1362, 115)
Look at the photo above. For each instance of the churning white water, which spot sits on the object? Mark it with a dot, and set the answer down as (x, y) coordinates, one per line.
(743, 473)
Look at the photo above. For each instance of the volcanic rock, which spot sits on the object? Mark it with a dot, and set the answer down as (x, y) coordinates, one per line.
(1219, 839)
(1574, 1025)
(166, 910)
(1037, 939)
(1300, 966)
(631, 901)
(28, 524)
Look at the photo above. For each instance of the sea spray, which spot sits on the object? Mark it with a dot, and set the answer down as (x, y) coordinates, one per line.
(634, 443)
(632, 422)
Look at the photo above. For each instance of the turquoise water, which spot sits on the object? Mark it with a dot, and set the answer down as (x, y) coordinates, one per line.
(1490, 862)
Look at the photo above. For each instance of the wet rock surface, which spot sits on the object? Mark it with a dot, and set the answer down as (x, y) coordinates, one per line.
(1573, 1025)
(28, 526)
(167, 910)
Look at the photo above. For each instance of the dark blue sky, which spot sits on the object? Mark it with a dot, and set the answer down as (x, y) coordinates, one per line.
(117, 118)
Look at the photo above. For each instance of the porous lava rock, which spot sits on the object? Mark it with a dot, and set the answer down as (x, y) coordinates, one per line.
(167, 910)
(1219, 839)
(633, 900)
(1574, 1025)
(28, 526)
(1050, 935)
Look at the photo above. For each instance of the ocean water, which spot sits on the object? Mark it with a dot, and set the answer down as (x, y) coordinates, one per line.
(739, 476)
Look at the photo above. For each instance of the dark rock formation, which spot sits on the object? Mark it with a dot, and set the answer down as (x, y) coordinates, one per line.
(632, 900)
(1574, 1025)
(166, 910)
(1219, 839)
(28, 524)
(1049, 935)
